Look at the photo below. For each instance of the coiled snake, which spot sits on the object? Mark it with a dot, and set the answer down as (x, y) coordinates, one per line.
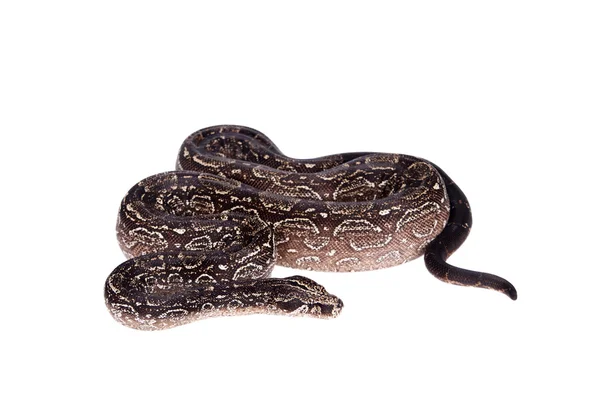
(203, 240)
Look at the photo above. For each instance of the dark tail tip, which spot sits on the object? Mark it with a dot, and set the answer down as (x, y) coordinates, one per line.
(511, 292)
(439, 268)
(451, 238)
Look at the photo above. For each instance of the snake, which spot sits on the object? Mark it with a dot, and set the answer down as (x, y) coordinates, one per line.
(202, 240)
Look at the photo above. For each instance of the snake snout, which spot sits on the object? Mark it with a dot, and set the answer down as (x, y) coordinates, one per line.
(332, 308)
(337, 309)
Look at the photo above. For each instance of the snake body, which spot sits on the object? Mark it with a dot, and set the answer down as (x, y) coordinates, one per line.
(202, 240)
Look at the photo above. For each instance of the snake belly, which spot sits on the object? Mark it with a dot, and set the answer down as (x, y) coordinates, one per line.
(202, 241)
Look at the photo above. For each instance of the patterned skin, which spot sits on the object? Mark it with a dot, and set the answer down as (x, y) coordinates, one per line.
(202, 241)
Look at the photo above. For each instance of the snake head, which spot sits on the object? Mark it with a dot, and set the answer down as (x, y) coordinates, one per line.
(298, 296)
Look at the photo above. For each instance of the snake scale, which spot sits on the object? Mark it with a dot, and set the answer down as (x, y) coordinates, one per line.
(202, 241)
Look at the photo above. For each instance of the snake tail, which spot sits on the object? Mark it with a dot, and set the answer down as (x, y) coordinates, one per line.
(451, 238)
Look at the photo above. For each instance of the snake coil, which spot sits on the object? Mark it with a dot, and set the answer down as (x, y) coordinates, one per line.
(202, 241)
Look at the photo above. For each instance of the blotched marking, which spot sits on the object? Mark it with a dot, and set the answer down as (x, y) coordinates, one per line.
(249, 271)
(363, 242)
(174, 279)
(273, 203)
(418, 171)
(362, 234)
(425, 228)
(347, 262)
(199, 244)
(394, 257)
(307, 261)
(352, 189)
(354, 226)
(316, 243)
(297, 226)
(145, 237)
(175, 313)
(234, 304)
(417, 213)
(205, 279)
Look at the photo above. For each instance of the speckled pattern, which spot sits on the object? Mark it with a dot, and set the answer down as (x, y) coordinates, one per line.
(203, 240)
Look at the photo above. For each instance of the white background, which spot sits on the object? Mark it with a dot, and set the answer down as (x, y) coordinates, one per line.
(504, 96)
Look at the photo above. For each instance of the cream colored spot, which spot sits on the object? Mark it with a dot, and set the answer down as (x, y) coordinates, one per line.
(175, 279)
(348, 261)
(205, 279)
(392, 258)
(176, 313)
(234, 304)
(316, 243)
(199, 244)
(249, 271)
(307, 261)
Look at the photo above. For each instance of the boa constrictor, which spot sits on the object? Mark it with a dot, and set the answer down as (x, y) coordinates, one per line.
(202, 241)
